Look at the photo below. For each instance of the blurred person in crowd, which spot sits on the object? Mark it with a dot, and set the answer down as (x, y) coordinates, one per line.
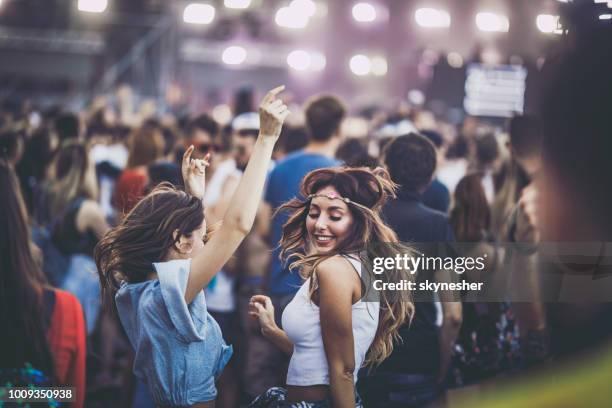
(410, 376)
(486, 161)
(165, 169)
(292, 139)
(455, 165)
(571, 198)
(327, 329)
(44, 342)
(525, 139)
(488, 341)
(354, 153)
(324, 116)
(34, 165)
(221, 292)
(75, 221)
(67, 126)
(524, 144)
(470, 216)
(244, 133)
(145, 147)
(437, 195)
(158, 260)
(571, 202)
(71, 199)
(243, 101)
(11, 146)
(411, 161)
(201, 132)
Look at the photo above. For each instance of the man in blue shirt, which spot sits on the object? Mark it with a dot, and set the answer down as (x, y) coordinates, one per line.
(324, 116)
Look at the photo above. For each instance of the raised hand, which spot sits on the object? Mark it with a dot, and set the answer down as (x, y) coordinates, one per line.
(194, 172)
(261, 308)
(272, 113)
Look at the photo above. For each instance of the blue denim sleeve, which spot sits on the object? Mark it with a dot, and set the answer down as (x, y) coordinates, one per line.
(187, 319)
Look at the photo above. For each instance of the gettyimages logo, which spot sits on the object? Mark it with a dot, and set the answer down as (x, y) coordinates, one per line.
(486, 272)
(421, 262)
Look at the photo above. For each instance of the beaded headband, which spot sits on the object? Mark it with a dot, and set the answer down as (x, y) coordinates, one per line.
(334, 196)
(331, 196)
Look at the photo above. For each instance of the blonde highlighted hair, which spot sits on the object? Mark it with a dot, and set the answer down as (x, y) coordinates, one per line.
(365, 192)
(74, 176)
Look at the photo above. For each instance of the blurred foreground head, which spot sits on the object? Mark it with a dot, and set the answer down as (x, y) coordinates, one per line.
(577, 133)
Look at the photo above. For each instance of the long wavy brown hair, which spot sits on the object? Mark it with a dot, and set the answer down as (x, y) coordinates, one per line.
(21, 285)
(369, 237)
(145, 235)
(471, 215)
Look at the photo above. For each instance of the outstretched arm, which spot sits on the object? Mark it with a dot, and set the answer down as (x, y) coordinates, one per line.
(241, 212)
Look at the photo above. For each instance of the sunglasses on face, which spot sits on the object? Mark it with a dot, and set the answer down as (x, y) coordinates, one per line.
(207, 148)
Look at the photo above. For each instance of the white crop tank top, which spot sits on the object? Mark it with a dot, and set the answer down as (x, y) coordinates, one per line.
(302, 323)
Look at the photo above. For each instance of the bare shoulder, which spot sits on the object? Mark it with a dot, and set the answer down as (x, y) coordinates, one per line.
(90, 207)
(336, 269)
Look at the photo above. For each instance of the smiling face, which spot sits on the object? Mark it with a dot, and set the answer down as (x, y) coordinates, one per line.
(329, 221)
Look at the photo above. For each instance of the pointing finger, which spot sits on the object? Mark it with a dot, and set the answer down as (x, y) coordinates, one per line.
(272, 93)
(187, 155)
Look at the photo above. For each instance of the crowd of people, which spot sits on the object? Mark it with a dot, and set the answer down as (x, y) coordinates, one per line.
(177, 261)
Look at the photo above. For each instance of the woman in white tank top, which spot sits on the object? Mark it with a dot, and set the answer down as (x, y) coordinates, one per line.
(328, 330)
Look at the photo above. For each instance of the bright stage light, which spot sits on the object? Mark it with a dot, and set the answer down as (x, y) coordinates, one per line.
(318, 61)
(299, 60)
(364, 12)
(605, 17)
(416, 97)
(379, 66)
(547, 23)
(222, 114)
(429, 17)
(199, 13)
(289, 17)
(492, 22)
(360, 65)
(237, 4)
(234, 55)
(92, 6)
(306, 7)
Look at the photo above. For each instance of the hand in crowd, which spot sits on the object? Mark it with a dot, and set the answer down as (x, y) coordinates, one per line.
(194, 172)
(272, 113)
(261, 308)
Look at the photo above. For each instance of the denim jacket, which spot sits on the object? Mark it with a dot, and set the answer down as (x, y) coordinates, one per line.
(179, 350)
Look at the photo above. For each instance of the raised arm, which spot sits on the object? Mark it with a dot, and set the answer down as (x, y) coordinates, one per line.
(241, 212)
(338, 287)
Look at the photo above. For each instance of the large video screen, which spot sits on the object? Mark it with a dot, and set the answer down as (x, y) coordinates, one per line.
(494, 91)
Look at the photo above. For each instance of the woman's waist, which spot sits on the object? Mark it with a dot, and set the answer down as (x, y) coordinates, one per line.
(296, 393)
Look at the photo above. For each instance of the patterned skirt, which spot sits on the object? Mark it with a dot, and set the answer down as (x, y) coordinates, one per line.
(276, 397)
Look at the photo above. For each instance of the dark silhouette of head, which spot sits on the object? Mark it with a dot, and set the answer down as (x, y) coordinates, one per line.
(411, 161)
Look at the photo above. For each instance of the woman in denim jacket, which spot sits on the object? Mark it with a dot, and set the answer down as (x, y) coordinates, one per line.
(158, 260)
